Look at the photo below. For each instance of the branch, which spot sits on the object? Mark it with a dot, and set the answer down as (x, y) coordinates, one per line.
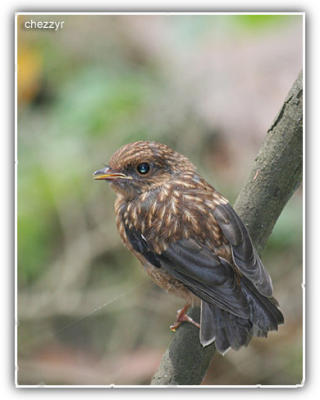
(276, 174)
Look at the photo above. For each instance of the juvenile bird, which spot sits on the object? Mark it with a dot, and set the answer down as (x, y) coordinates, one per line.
(191, 243)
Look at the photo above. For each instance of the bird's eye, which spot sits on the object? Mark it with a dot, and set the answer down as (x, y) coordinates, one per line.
(143, 168)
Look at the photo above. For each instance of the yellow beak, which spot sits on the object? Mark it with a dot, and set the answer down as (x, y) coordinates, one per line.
(107, 174)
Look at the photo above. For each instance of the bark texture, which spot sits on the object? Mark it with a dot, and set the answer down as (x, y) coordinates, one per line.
(276, 174)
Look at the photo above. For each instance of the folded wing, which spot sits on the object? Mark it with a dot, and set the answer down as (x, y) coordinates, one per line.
(208, 276)
(244, 254)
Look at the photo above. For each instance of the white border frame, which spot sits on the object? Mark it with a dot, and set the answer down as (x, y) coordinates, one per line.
(303, 14)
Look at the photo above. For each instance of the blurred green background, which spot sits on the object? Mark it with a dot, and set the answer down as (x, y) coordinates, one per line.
(209, 86)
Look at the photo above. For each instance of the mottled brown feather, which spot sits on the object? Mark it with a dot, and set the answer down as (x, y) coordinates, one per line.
(192, 243)
(174, 208)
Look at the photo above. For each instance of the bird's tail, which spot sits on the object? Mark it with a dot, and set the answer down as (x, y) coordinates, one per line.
(228, 330)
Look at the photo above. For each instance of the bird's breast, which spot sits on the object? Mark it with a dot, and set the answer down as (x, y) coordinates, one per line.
(172, 213)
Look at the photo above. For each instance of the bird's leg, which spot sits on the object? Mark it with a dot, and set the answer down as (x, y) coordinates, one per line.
(183, 317)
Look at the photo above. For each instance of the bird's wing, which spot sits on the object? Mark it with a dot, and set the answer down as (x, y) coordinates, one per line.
(209, 277)
(244, 254)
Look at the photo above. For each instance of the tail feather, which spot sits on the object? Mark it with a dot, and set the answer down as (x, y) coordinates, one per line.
(207, 324)
(264, 312)
(228, 330)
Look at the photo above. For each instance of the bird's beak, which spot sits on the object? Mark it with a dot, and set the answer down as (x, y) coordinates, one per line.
(107, 174)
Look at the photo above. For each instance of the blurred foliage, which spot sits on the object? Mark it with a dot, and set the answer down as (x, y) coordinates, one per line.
(259, 22)
(87, 313)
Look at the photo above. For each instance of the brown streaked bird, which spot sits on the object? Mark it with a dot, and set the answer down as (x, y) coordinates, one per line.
(191, 243)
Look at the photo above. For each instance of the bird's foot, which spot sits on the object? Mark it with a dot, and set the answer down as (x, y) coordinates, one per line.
(183, 317)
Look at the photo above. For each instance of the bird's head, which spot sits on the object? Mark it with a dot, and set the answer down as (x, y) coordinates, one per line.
(142, 166)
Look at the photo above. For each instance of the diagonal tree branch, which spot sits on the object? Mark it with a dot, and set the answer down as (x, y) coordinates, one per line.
(276, 174)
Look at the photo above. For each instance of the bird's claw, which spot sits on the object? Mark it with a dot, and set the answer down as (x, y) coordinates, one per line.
(183, 317)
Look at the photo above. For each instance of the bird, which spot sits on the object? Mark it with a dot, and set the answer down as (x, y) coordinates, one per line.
(191, 243)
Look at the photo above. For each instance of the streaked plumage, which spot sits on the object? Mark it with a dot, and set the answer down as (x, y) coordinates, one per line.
(191, 242)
